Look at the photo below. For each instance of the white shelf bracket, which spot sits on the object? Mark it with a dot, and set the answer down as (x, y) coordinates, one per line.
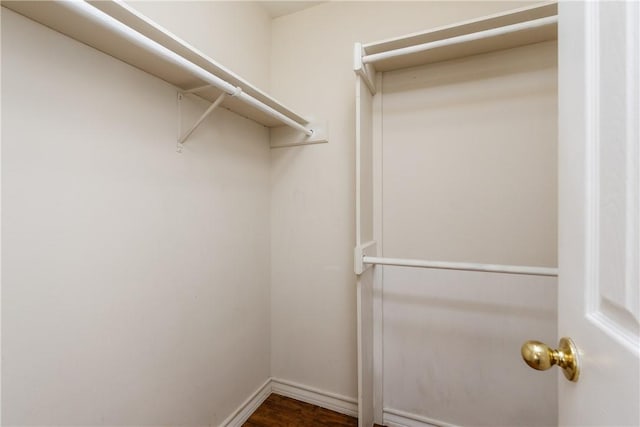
(368, 249)
(284, 136)
(366, 71)
(187, 134)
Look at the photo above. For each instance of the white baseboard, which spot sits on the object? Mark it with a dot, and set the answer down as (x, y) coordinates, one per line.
(335, 402)
(324, 399)
(249, 406)
(395, 418)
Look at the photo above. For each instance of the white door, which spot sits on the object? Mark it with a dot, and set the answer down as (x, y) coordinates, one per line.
(599, 196)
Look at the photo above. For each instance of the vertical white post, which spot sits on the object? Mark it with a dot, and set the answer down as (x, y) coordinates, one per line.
(364, 237)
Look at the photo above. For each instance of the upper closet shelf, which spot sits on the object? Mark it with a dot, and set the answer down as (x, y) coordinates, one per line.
(519, 27)
(120, 31)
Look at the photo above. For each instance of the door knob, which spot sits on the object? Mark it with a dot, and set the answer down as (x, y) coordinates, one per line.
(540, 356)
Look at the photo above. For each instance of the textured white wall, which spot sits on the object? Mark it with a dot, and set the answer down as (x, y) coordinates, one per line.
(313, 194)
(127, 297)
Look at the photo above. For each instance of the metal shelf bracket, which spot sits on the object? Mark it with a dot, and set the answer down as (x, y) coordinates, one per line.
(187, 134)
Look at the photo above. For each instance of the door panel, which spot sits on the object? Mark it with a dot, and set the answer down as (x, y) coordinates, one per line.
(599, 214)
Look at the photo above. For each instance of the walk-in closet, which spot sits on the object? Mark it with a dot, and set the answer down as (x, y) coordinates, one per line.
(320, 213)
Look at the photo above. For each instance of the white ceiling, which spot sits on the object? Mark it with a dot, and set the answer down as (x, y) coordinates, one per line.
(280, 8)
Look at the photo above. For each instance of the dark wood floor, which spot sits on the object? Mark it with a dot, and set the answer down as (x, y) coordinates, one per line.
(282, 411)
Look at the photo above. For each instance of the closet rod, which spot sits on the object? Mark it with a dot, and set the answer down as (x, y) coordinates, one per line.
(480, 35)
(102, 19)
(489, 268)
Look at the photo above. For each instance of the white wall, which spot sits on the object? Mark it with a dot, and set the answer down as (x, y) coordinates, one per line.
(312, 226)
(452, 347)
(469, 174)
(469, 159)
(135, 279)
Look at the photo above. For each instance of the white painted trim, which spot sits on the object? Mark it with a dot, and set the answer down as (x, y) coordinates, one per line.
(333, 401)
(396, 418)
(248, 407)
(324, 399)
(358, 112)
(378, 274)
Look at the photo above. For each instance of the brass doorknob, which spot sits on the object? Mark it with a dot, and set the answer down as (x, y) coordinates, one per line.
(540, 356)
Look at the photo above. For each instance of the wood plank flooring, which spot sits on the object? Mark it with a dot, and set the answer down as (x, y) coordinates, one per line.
(282, 411)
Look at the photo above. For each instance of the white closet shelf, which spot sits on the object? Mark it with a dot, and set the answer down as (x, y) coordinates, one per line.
(511, 29)
(519, 27)
(67, 19)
